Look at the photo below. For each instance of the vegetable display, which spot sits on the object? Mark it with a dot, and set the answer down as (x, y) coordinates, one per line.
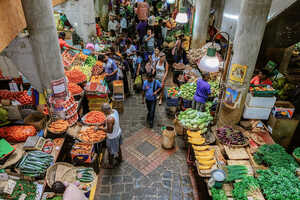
(58, 126)
(241, 189)
(97, 68)
(173, 92)
(3, 115)
(76, 76)
(90, 61)
(81, 148)
(278, 183)
(22, 187)
(85, 175)
(35, 163)
(84, 69)
(218, 194)
(22, 97)
(74, 89)
(214, 88)
(94, 117)
(91, 135)
(187, 91)
(194, 119)
(296, 152)
(16, 134)
(235, 172)
(229, 136)
(275, 156)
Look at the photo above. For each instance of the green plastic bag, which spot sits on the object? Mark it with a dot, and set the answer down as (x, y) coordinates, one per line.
(138, 82)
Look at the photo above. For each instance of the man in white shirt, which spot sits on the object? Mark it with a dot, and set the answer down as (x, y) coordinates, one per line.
(114, 138)
(113, 24)
(123, 23)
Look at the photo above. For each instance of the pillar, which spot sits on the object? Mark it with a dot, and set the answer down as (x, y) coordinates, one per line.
(201, 17)
(81, 15)
(285, 61)
(44, 40)
(246, 46)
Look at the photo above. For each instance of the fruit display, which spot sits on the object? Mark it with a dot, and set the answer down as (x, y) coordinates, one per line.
(275, 156)
(22, 187)
(72, 120)
(22, 97)
(35, 163)
(263, 91)
(187, 91)
(58, 126)
(94, 117)
(91, 135)
(3, 115)
(173, 92)
(278, 183)
(229, 136)
(194, 119)
(82, 56)
(296, 152)
(84, 69)
(97, 68)
(76, 76)
(16, 134)
(74, 89)
(283, 87)
(68, 57)
(97, 79)
(214, 88)
(90, 61)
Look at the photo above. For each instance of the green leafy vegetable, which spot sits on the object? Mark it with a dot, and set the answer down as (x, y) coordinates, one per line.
(236, 172)
(277, 183)
(241, 189)
(275, 155)
(218, 194)
(296, 152)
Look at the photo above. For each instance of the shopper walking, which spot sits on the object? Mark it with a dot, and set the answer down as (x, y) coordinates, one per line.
(161, 70)
(142, 30)
(148, 43)
(151, 89)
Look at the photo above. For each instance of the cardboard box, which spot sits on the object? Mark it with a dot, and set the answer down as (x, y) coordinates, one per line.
(283, 110)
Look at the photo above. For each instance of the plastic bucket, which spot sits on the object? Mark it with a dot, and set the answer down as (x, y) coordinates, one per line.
(168, 138)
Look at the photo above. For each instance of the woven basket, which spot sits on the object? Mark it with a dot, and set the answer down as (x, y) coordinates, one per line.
(56, 172)
(298, 159)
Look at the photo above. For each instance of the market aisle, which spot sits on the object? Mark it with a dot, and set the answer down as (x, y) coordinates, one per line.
(148, 171)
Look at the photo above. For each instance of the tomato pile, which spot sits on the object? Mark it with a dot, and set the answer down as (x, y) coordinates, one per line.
(94, 117)
(74, 88)
(97, 69)
(21, 97)
(75, 76)
(17, 133)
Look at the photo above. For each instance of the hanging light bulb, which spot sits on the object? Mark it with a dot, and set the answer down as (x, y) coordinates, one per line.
(210, 62)
(182, 17)
(170, 1)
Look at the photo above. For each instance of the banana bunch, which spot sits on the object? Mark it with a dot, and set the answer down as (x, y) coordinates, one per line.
(203, 153)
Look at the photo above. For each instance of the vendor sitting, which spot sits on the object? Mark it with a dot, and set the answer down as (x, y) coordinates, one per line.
(262, 78)
(63, 44)
(201, 94)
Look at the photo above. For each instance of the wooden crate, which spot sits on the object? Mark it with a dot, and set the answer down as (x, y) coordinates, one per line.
(118, 105)
(236, 153)
(242, 162)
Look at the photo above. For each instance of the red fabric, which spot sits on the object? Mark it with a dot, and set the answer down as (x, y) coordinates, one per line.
(98, 30)
(256, 81)
(63, 43)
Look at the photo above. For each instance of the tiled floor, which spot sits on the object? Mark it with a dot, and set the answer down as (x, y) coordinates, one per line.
(148, 171)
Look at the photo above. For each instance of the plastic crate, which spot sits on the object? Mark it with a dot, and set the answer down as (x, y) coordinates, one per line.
(256, 112)
(258, 93)
(172, 101)
(263, 102)
(187, 103)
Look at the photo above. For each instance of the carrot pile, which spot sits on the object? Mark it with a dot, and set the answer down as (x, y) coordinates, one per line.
(74, 88)
(75, 76)
(94, 117)
(81, 148)
(17, 133)
(91, 135)
(58, 126)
